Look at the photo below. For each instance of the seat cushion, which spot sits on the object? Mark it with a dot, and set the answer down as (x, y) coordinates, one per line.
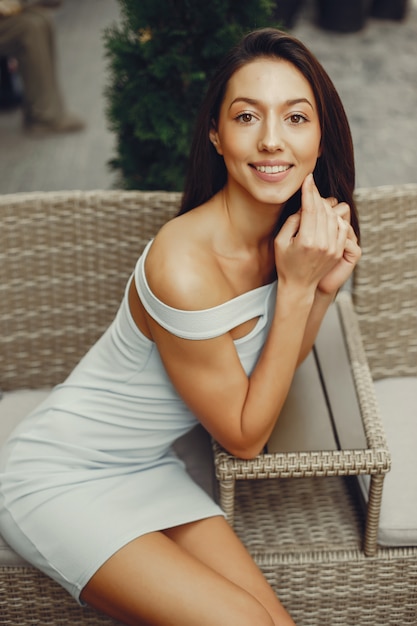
(397, 399)
(13, 406)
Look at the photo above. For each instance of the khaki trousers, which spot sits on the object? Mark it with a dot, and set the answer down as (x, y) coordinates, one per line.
(29, 38)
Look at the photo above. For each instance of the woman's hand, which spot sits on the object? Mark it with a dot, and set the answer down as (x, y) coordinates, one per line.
(312, 243)
(340, 273)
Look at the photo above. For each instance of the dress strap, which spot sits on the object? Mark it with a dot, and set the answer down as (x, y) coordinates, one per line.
(205, 323)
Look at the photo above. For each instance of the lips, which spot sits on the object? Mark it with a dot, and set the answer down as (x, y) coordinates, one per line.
(271, 172)
(272, 169)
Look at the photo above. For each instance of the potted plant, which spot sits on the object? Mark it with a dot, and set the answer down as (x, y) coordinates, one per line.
(161, 57)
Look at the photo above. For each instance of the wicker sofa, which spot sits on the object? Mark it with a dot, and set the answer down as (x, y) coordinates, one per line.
(65, 258)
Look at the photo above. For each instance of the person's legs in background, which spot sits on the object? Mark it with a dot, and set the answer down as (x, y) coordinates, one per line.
(10, 94)
(29, 38)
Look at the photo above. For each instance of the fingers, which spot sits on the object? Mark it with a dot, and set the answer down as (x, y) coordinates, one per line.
(342, 234)
(319, 219)
(291, 226)
(340, 208)
(311, 211)
(352, 251)
(333, 202)
(317, 244)
(343, 210)
(313, 202)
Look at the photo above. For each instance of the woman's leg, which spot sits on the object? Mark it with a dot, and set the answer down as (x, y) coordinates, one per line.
(193, 574)
(214, 543)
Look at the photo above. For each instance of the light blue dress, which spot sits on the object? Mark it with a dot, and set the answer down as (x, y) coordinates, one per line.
(92, 468)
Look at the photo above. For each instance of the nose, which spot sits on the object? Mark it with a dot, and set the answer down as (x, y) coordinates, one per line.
(271, 138)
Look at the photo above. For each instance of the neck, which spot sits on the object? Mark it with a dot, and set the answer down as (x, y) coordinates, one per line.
(252, 224)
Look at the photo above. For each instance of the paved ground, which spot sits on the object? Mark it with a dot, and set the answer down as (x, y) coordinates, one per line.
(76, 161)
(374, 70)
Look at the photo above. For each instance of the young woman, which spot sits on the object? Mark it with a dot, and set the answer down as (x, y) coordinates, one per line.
(223, 305)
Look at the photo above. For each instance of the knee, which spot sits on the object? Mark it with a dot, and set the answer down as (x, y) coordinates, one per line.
(257, 619)
(255, 614)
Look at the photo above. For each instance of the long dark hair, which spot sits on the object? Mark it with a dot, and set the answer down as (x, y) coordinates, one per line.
(334, 173)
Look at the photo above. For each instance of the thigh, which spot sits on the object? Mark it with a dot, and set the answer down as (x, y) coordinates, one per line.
(213, 542)
(155, 580)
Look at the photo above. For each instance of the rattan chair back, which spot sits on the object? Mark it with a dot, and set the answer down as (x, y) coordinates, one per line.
(65, 258)
(385, 281)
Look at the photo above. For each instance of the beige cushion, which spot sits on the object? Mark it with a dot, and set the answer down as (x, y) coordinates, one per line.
(397, 399)
(13, 406)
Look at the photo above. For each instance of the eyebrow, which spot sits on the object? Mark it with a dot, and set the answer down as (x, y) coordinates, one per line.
(291, 102)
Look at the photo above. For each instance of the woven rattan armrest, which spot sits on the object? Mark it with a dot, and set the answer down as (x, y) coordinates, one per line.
(373, 459)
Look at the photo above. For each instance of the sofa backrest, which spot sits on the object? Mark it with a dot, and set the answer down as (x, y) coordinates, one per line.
(385, 280)
(65, 258)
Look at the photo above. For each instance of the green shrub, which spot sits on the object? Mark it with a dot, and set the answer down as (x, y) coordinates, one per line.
(161, 57)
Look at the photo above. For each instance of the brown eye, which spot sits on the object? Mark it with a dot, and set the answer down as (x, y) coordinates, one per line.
(297, 118)
(246, 118)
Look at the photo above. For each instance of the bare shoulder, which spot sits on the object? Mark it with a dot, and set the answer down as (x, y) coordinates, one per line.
(181, 267)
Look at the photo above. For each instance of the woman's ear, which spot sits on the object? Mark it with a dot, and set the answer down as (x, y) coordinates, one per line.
(214, 138)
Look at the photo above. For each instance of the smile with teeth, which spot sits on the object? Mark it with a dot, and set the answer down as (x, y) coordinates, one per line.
(272, 169)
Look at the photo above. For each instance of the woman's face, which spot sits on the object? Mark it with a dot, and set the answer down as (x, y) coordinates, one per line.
(268, 130)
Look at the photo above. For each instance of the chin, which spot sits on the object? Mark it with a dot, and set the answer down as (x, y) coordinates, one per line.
(277, 198)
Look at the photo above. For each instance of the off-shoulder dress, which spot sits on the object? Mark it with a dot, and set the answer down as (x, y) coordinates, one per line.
(92, 467)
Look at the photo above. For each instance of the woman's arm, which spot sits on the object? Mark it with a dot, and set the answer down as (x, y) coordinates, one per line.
(240, 411)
